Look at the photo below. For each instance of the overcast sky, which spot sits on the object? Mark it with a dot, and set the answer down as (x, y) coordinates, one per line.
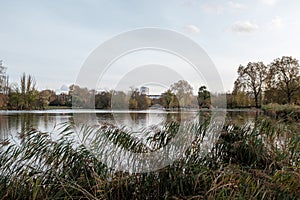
(51, 39)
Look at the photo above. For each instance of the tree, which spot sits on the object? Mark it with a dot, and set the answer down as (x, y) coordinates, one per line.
(167, 98)
(251, 79)
(203, 97)
(143, 101)
(284, 75)
(82, 97)
(138, 100)
(133, 104)
(184, 93)
(175, 102)
(119, 100)
(24, 96)
(46, 97)
(103, 100)
(62, 99)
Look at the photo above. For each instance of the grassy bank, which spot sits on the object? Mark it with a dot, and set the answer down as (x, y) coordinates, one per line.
(288, 112)
(260, 162)
(57, 107)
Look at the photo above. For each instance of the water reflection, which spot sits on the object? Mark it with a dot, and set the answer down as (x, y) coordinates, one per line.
(134, 121)
(12, 123)
(244, 117)
(3, 127)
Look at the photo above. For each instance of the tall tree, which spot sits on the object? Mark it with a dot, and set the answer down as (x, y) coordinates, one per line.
(138, 100)
(82, 97)
(46, 97)
(251, 79)
(184, 92)
(25, 95)
(167, 98)
(284, 74)
(103, 100)
(203, 97)
(119, 100)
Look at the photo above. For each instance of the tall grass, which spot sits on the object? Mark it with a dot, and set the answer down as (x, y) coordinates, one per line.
(287, 111)
(248, 162)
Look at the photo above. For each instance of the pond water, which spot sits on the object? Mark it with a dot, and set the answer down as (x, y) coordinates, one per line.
(14, 122)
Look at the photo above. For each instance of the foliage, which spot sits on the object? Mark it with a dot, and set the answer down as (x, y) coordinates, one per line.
(184, 93)
(203, 97)
(138, 101)
(287, 111)
(277, 83)
(168, 99)
(251, 79)
(285, 75)
(46, 97)
(3, 101)
(82, 97)
(103, 100)
(119, 100)
(61, 100)
(25, 95)
(260, 161)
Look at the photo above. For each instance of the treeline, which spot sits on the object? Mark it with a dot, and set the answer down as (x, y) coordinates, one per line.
(25, 96)
(259, 84)
(179, 95)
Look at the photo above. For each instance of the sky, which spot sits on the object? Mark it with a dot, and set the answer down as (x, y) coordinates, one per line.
(52, 39)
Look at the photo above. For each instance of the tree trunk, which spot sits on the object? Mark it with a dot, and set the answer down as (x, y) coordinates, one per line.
(256, 100)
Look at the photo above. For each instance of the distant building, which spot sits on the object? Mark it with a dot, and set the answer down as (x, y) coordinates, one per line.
(154, 96)
(144, 90)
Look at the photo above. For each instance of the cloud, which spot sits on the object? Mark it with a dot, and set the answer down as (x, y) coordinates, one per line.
(236, 5)
(191, 29)
(244, 27)
(213, 8)
(269, 2)
(277, 23)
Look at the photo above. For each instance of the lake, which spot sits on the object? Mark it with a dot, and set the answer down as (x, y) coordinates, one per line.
(14, 122)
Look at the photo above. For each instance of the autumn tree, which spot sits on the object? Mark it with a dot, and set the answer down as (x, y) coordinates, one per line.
(46, 97)
(82, 97)
(184, 93)
(284, 75)
(167, 98)
(62, 99)
(138, 100)
(119, 100)
(251, 79)
(103, 100)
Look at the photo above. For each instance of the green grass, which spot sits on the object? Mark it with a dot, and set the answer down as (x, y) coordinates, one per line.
(248, 162)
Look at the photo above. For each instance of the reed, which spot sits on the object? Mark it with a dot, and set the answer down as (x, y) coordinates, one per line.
(287, 112)
(260, 161)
